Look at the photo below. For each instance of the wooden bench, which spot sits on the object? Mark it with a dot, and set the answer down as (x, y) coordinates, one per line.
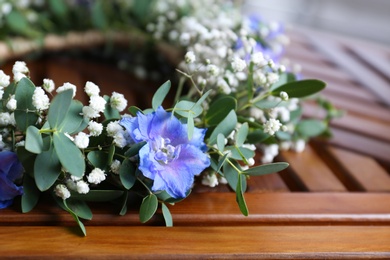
(332, 202)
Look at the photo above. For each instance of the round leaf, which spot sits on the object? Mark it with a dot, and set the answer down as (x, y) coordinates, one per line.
(148, 208)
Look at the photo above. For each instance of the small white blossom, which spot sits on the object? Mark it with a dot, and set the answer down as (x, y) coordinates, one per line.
(5, 119)
(81, 140)
(4, 79)
(283, 95)
(20, 143)
(223, 85)
(298, 146)
(19, 67)
(238, 64)
(272, 78)
(212, 70)
(12, 103)
(91, 89)
(118, 101)
(89, 112)
(62, 191)
(40, 100)
(48, 85)
(185, 39)
(120, 139)
(82, 187)
(18, 76)
(113, 128)
(97, 103)
(258, 59)
(269, 153)
(190, 57)
(210, 180)
(271, 126)
(67, 86)
(115, 166)
(95, 128)
(96, 176)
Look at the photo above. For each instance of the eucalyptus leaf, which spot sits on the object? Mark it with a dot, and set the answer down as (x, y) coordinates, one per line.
(241, 135)
(127, 174)
(240, 196)
(98, 15)
(148, 208)
(99, 159)
(69, 154)
(299, 89)
(231, 175)
(134, 149)
(184, 108)
(225, 127)
(190, 126)
(241, 153)
(25, 113)
(74, 215)
(98, 195)
(221, 142)
(80, 208)
(167, 215)
(219, 109)
(30, 195)
(47, 168)
(110, 112)
(266, 169)
(160, 94)
(283, 79)
(34, 141)
(59, 108)
(311, 127)
(74, 121)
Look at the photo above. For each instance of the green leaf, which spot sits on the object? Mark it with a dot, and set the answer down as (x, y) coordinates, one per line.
(219, 109)
(25, 113)
(240, 196)
(69, 154)
(134, 149)
(74, 121)
(148, 208)
(283, 79)
(99, 159)
(127, 174)
(98, 195)
(34, 141)
(241, 153)
(58, 7)
(109, 111)
(134, 110)
(190, 126)
(267, 104)
(231, 175)
(184, 108)
(74, 215)
(300, 88)
(160, 95)
(266, 169)
(124, 204)
(221, 142)
(98, 15)
(311, 127)
(257, 136)
(30, 195)
(17, 22)
(59, 108)
(167, 215)
(47, 168)
(225, 127)
(241, 135)
(80, 208)
(221, 162)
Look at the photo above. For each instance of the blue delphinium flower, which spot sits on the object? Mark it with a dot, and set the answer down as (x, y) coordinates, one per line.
(168, 157)
(10, 170)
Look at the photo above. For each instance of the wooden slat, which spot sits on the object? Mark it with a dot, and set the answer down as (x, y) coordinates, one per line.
(303, 242)
(363, 170)
(311, 172)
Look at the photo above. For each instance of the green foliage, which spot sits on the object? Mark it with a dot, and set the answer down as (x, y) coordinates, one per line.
(266, 169)
(25, 113)
(311, 127)
(127, 174)
(34, 141)
(30, 195)
(299, 89)
(225, 127)
(148, 208)
(73, 121)
(98, 195)
(59, 108)
(160, 94)
(47, 168)
(167, 215)
(219, 109)
(99, 159)
(240, 196)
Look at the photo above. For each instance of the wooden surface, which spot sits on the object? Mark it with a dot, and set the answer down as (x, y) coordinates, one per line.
(332, 202)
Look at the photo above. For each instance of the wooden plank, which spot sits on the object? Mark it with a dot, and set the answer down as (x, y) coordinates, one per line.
(311, 172)
(221, 209)
(267, 242)
(363, 170)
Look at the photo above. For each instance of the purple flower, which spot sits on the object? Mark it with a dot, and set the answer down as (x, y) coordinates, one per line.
(168, 157)
(10, 170)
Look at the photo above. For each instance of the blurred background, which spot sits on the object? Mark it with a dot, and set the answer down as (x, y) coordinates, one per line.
(357, 18)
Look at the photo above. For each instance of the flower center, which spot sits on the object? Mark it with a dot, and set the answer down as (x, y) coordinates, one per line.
(164, 152)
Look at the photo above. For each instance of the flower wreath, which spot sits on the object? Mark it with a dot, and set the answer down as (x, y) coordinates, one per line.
(239, 99)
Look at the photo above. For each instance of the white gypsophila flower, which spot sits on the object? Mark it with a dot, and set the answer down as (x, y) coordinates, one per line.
(284, 113)
(115, 166)
(271, 126)
(95, 128)
(283, 95)
(113, 128)
(185, 39)
(97, 103)
(19, 67)
(5, 119)
(4, 79)
(40, 100)
(258, 59)
(190, 57)
(212, 70)
(285, 145)
(48, 85)
(120, 139)
(20, 143)
(222, 180)
(224, 86)
(238, 64)
(298, 146)
(118, 101)
(210, 180)
(82, 187)
(18, 76)
(71, 184)
(67, 86)
(12, 103)
(89, 112)
(96, 176)
(251, 162)
(269, 153)
(6, 8)
(91, 89)
(81, 140)
(62, 191)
